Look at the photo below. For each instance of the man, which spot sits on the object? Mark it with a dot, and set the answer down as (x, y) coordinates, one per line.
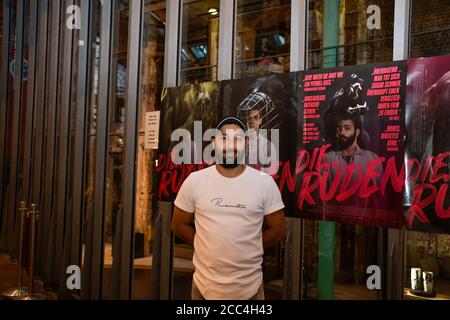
(254, 119)
(348, 100)
(348, 151)
(258, 112)
(258, 154)
(228, 203)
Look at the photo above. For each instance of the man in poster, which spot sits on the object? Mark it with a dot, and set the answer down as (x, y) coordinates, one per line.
(350, 151)
(348, 154)
(258, 112)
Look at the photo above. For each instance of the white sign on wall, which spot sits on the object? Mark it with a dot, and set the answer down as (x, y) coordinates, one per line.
(152, 129)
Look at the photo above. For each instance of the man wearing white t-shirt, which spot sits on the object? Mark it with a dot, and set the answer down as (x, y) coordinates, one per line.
(228, 203)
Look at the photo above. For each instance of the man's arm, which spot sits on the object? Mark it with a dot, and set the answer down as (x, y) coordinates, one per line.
(183, 225)
(274, 228)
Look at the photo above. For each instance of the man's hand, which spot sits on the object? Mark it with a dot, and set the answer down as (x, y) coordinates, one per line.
(182, 225)
(274, 228)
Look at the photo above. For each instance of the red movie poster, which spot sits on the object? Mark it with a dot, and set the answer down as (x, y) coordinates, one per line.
(268, 107)
(427, 198)
(350, 151)
(189, 110)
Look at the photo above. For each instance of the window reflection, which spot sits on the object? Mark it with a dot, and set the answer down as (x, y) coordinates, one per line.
(427, 252)
(262, 44)
(1, 34)
(430, 28)
(200, 40)
(356, 249)
(7, 178)
(356, 246)
(358, 44)
(23, 99)
(91, 141)
(115, 150)
(152, 68)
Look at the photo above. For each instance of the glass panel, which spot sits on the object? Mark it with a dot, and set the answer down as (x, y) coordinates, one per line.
(152, 67)
(2, 22)
(115, 150)
(360, 41)
(200, 40)
(91, 131)
(6, 177)
(356, 247)
(430, 28)
(263, 31)
(427, 252)
(23, 103)
(72, 120)
(2, 28)
(58, 213)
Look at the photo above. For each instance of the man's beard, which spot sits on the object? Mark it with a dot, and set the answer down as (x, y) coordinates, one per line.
(229, 165)
(231, 162)
(344, 142)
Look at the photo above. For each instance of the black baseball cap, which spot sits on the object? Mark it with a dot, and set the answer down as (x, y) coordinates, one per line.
(231, 120)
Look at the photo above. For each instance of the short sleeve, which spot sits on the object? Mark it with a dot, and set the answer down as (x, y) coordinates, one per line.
(185, 199)
(272, 197)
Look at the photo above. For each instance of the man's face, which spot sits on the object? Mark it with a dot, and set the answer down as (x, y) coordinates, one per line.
(346, 134)
(230, 144)
(254, 119)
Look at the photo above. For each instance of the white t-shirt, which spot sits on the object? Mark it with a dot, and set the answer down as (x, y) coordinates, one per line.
(229, 214)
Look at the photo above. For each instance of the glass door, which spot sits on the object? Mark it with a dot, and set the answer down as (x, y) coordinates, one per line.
(145, 213)
(115, 151)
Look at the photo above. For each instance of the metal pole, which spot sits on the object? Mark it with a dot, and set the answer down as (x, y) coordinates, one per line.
(33, 215)
(18, 291)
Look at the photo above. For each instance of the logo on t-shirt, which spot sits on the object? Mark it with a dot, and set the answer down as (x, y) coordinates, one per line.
(218, 202)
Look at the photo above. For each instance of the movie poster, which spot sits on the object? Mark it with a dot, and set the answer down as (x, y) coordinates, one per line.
(268, 107)
(427, 199)
(186, 113)
(351, 144)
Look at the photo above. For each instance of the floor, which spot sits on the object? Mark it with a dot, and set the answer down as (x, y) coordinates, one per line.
(347, 292)
(8, 279)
